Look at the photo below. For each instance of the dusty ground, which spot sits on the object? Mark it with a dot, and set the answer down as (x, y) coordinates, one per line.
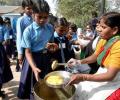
(11, 87)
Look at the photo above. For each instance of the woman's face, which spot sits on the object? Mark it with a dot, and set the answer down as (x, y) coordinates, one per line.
(105, 31)
(40, 18)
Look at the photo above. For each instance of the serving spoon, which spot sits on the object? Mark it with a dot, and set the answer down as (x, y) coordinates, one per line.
(55, 64)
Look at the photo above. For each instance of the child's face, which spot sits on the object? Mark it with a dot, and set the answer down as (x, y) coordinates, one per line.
(88, 29)
(40, 18)
(61, 30)
(70, 31)
(28, 10)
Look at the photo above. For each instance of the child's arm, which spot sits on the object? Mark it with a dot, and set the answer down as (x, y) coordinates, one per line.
(30, 60)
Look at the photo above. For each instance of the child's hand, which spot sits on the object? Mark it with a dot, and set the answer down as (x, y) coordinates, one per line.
(52, 47)
(20, 58)
(36, 73)
(69, 36)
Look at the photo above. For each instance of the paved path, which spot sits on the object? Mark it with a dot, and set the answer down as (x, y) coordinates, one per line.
(11, 87)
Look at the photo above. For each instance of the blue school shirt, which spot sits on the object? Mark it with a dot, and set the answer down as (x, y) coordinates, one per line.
(14, 23)
(56, 35)
(4, 34)
(74, 36)
(22, 23)
(10, 30)
(35, 37)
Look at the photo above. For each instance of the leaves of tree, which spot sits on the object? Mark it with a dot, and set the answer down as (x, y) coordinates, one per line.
(78, 11)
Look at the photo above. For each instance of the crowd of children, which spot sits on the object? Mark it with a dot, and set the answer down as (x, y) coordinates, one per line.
(40, 37)
(5, 71)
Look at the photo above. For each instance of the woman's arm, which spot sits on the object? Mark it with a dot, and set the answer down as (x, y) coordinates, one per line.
(73, 62)
(90, 59)
(107, 76)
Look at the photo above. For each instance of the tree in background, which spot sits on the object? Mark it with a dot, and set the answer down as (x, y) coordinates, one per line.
(78, 11)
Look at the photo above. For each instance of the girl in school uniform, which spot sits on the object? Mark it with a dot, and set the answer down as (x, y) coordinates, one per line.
(36, 38)
(5, 71)
(64, 52)
(10, 47)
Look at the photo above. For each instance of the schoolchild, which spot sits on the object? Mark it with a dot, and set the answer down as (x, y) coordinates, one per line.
(10, 48)
(5, 71)
(36, 41)
(73, 32)
(64, 53)
(22, 23)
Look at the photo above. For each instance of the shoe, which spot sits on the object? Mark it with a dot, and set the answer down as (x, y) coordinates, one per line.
(2, 94)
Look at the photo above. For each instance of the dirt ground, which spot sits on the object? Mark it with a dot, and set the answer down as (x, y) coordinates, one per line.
(11, 87)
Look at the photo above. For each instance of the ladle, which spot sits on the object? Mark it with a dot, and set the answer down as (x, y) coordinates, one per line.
(55, 64)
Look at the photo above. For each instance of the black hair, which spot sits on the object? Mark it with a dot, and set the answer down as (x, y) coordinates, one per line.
(40, 6)
(112, 19)
(61, 22)
(52, 19)
(89, 26)
(26, 3)
(73, 27)
(7, 20)
(1, 21)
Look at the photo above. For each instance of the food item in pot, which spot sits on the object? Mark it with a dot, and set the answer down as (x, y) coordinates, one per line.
(55, 80)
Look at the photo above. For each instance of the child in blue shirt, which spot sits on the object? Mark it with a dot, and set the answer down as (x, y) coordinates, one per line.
(5, 71)
(64, 52)
(22, 23)
(35, 40)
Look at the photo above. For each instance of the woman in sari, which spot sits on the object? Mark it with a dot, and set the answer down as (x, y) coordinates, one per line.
(104, 84)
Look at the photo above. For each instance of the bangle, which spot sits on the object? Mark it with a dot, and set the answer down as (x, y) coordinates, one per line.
(85, 77)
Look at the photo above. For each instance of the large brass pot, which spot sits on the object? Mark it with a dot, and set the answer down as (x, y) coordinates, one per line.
(44, 92)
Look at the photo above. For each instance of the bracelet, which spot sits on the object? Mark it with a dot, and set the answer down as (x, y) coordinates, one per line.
(85, 77)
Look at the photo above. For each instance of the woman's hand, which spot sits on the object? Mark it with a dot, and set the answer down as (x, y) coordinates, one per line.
(36, 73)
(73, 62)
(76, 78)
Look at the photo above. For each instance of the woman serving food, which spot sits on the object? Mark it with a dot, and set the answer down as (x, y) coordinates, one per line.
(106, 81)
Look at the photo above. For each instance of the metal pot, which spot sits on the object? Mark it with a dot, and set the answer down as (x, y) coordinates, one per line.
(63, 74)
(44, 92)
